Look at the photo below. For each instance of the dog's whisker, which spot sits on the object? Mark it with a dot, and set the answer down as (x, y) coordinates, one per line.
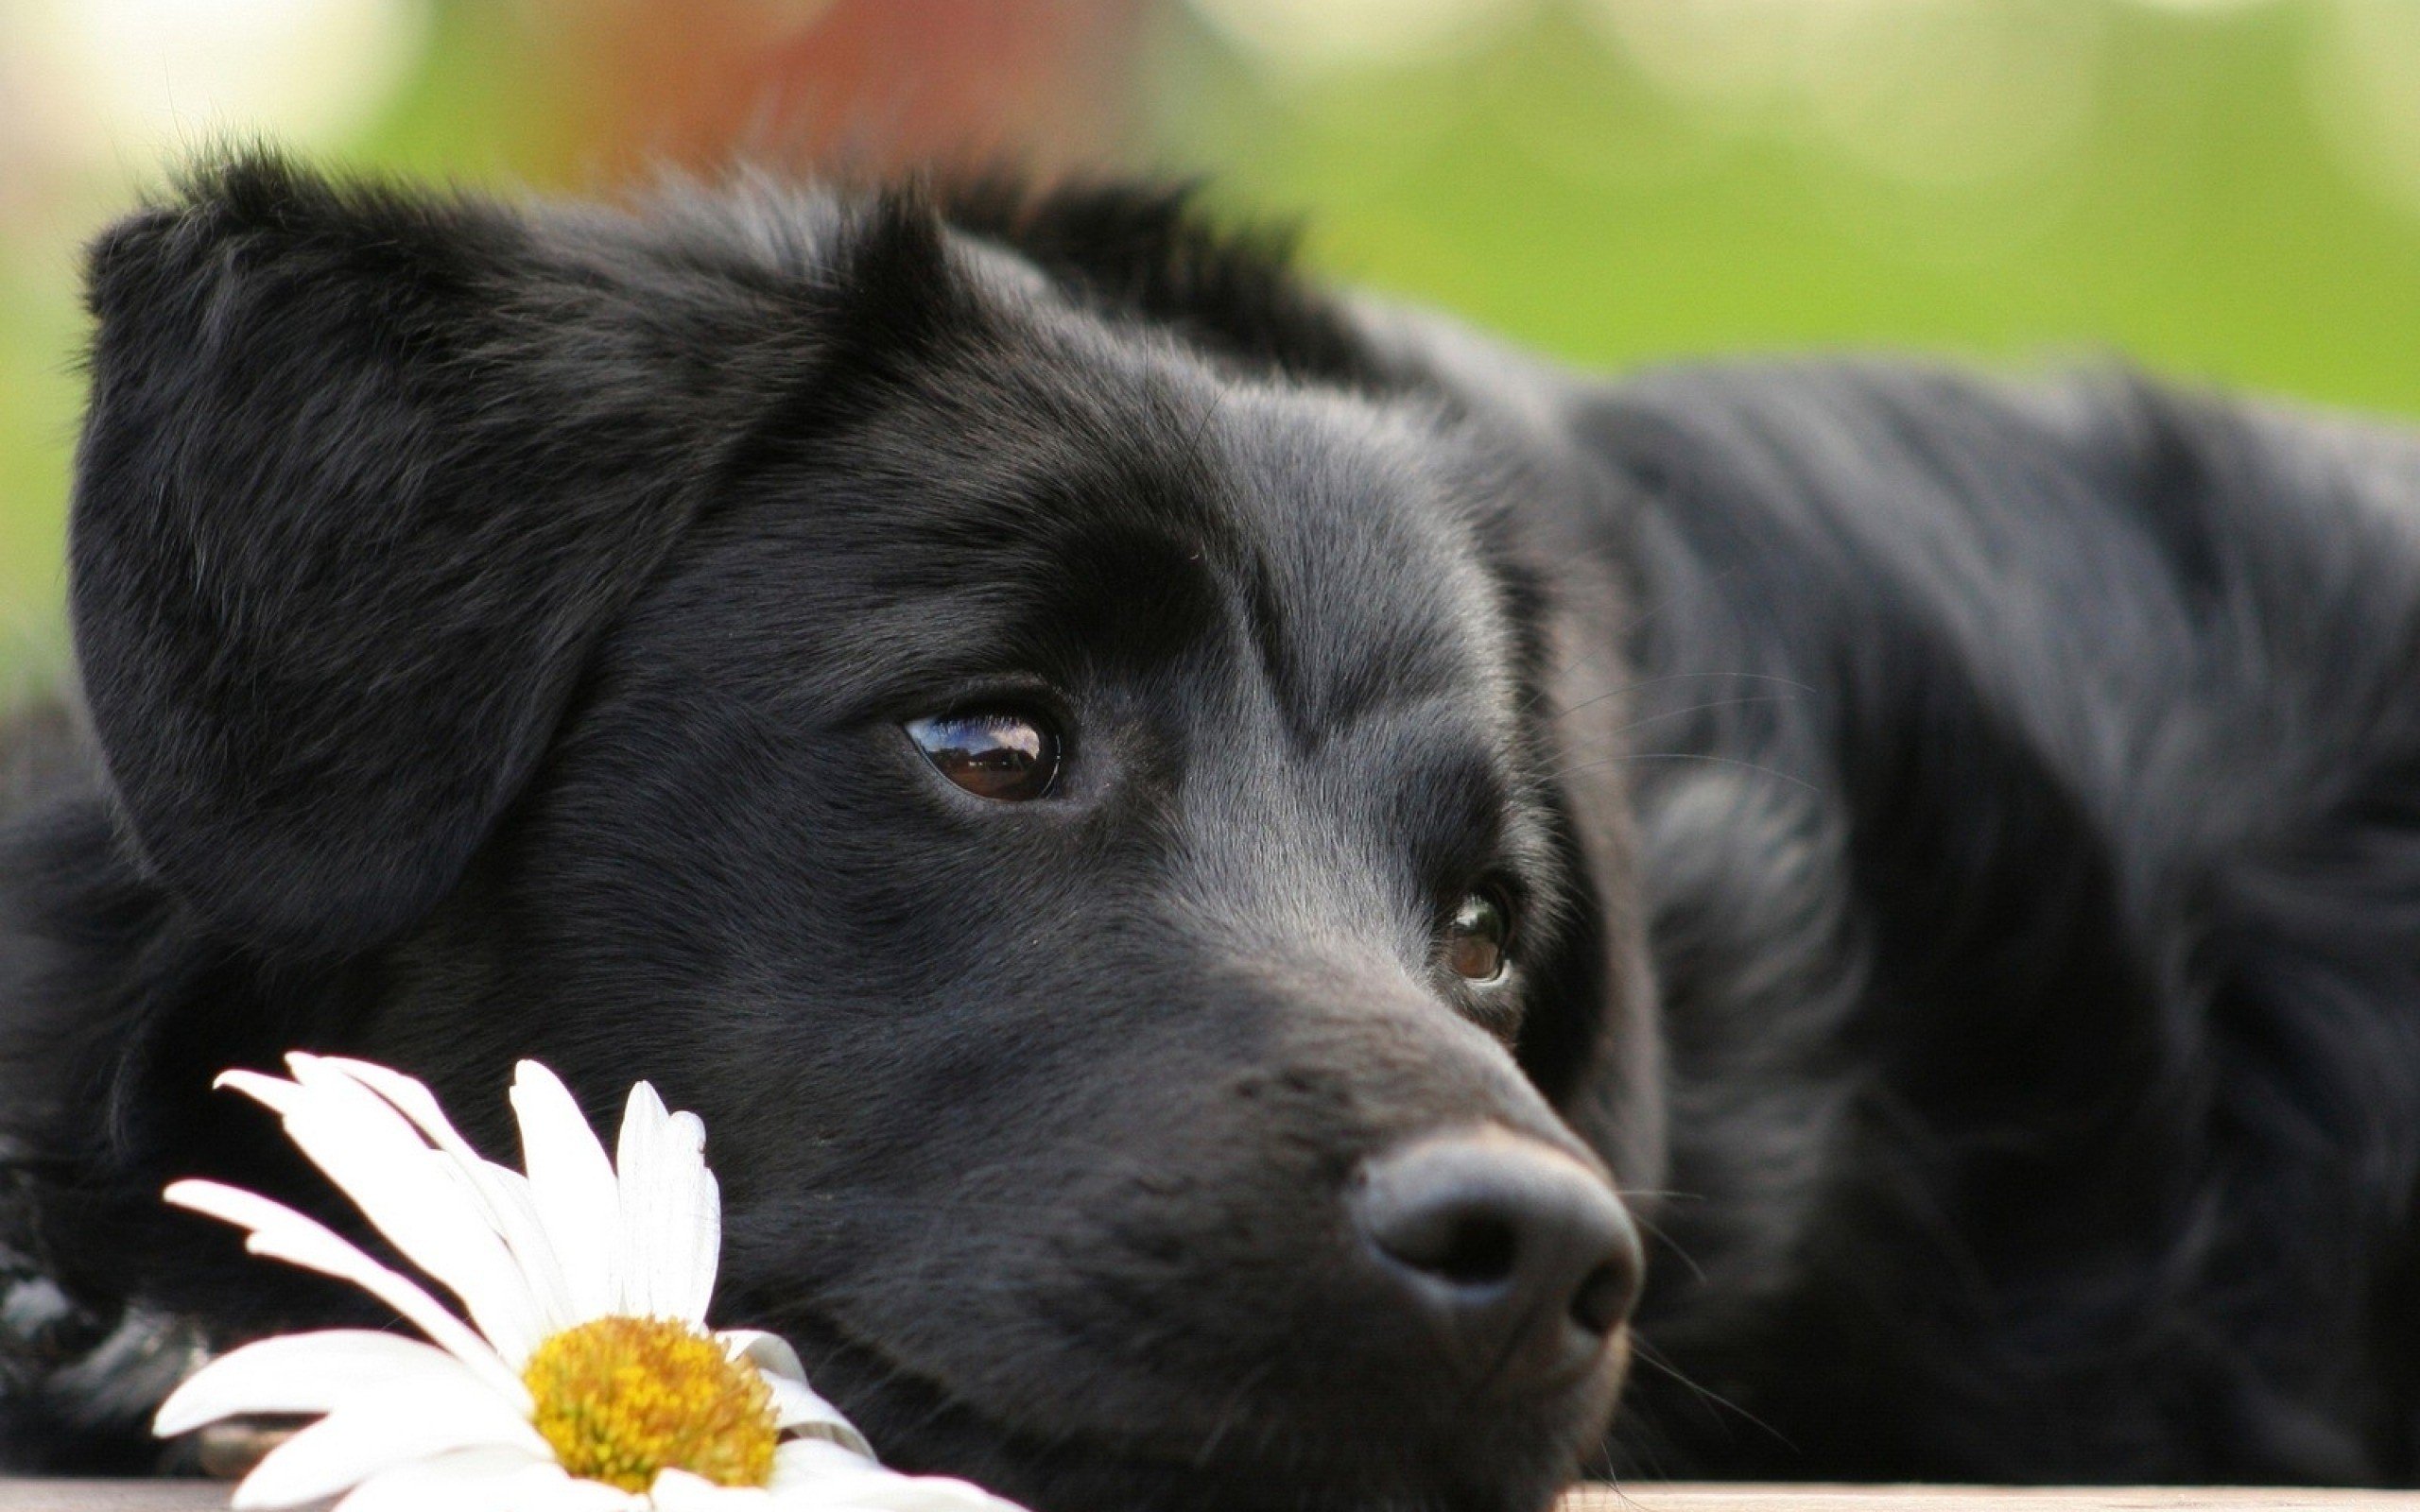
(1235, 1405)
(1626, 688)
(1661, 1235)
(1647, 1355)
(1588, 656)
(1655, 718)
(1693, 756)
(1693, 709)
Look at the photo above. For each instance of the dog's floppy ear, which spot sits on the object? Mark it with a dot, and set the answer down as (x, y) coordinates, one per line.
(363, 478)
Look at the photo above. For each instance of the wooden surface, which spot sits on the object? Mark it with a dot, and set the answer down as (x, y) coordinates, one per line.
(112, 1495)
(207, 1496)
(1650, 1497)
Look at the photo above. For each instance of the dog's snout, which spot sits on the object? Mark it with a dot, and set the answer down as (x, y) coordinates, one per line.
(1523, 1259)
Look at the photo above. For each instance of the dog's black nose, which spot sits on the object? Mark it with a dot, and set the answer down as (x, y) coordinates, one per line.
(1518, 1254)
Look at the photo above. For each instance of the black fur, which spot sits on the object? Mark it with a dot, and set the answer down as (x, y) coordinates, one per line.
(1967, 839)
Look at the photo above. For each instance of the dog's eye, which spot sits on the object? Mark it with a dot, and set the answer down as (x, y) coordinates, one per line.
(995, 753)
(1477, 936)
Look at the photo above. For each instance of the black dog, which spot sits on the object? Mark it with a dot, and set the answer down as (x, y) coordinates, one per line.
(1178, 829)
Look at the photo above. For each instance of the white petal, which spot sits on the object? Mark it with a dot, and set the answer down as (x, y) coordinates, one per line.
(769, 1352)
(811, 1475)
(412, 1099)
(377, 1158)
(304, 1373)
(796, 1405)
(807, 1459)
(504, 1191)
(636, 1156)
(670, 1209)
(524, 1484)
(694, 1289)
(377, 1431)
(680, 1491)
(560, 1492)
(797, 1409)
(515, 1213)
(277, 1095)
(573, 1186)
(279, 1231)
(467, 1480)
(882, 1491)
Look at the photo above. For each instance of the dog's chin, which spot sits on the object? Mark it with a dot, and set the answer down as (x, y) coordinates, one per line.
(1511, 1458)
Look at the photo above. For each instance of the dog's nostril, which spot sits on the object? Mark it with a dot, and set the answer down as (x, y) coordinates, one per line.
(1519, 1255)
(1604, 1298)
(1466, 1248)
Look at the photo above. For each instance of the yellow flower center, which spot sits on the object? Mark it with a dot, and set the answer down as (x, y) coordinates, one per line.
(622, 1397)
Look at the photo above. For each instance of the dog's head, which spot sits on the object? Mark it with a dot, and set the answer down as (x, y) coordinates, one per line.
(1042, 738)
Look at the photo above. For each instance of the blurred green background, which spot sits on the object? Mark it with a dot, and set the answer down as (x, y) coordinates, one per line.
(2227, 189)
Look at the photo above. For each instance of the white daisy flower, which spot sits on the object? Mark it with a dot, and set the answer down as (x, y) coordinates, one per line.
(583, 1379)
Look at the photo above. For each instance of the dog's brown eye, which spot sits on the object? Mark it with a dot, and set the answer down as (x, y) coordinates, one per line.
(994, 754)
(1475, 938)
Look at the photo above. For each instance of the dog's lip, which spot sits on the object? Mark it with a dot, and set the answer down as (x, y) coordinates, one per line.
(1186, 1456)
(889, 1373)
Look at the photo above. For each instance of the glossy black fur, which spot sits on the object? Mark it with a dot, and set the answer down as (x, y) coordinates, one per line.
(1965, 836)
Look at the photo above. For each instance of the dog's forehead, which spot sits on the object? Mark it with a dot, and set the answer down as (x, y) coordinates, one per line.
(1050, 486)
(1341, 536)
(1360, 531)
(1348, 526)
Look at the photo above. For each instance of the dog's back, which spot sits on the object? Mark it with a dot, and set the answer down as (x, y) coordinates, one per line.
(2030, 782)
